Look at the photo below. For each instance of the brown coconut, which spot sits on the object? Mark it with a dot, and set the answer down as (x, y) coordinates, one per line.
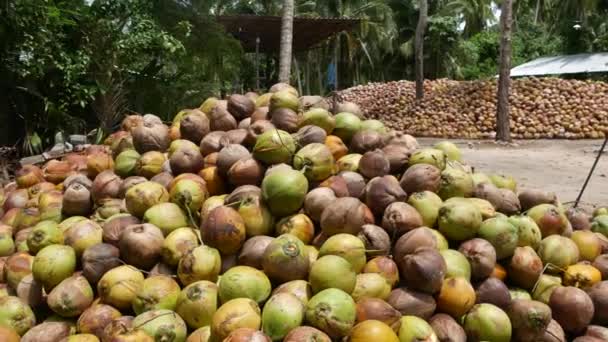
(421, 177)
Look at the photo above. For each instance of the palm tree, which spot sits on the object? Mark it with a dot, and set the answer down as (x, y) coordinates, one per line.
(476, 14)
(286, 40)
(422, 19)
(504, 81)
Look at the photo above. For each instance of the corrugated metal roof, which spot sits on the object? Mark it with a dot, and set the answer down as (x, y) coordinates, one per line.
(567, 64)
(307, 31)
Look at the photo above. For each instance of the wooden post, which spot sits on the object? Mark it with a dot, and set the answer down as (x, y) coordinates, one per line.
(286, 41)
(419, 46)
(503, 131)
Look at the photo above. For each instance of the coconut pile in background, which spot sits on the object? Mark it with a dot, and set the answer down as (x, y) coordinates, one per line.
(540, 108)
(277, 218)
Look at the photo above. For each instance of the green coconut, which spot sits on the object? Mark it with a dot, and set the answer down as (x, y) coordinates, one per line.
(83, 235)
(480, 178)
(315, 160)
(348, 247)
(414, 329)
(177, 244)
(53, 264)
(527, 231)
(244, 282)
(347, 124)
(7, 245)
(120, 286)
(284, 191)
(371, 285)
(299, 288)
(45, 233)
(430, 156)
(201, 263)
(349, 162)
(210, 204)
(549, 218)
(600, 225)
(459, 220)
(457, 264)
(284, 99)
(282, 313)
(150, 164)
(125, 163)
(455, 183)
(504, 182)
(285, 259)
(167, 217)
(486, 322)
(157, 292)
(197, 303)
(71, 297)
(318, 117)
(223, 323)
(332, 271)
(274, 147)
(517, 293)
(162, 325)
(208, 105)
(449, 149)
(16, 315)
(143, 196)
(256, 215)
(70, 221)
(502, 234)
(188, 194)
(544, 287)
(333, 311)
(559, 251)
(427, 204)
(373, 125)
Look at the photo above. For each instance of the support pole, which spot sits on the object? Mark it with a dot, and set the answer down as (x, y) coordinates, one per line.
(257, 63)
(597, 159)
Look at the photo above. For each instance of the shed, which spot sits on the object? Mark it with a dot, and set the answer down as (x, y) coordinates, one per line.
(567, 64)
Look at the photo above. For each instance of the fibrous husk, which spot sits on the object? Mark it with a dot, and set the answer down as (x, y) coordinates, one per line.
(421, 177)
(374, 164)
(213, 142)
(412, 303)
(380, 192)
(532, 197)
(345, 215)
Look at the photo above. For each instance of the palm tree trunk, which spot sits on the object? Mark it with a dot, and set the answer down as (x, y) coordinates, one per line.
(286, 41)
(337, 60)
(419, 42)
(504, 81)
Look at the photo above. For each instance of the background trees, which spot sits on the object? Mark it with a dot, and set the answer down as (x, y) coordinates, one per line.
(71, 65)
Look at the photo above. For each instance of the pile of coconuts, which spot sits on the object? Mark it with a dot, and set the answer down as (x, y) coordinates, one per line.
(276, 217)
(540, 108)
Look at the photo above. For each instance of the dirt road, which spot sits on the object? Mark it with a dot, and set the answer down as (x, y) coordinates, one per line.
(560, 166)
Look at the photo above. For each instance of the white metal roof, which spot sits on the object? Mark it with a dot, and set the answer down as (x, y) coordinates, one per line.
(568, 64)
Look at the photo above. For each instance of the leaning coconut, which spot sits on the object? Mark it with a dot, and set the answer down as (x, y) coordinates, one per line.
(579, 219)
(315, 160)
(29, 175)
(366, 140)
(71, 297)
(525, 267)
(374, 164)
(549, 219)
(140, 245)
(337, 184)
(282, 313)
(345, 215)
(600, 225)
(457, 264)
(164, 325)
(151, 136)
(486, 322)
(119, 286)
(106, 185)
(194, 126)
(423, 270)
(157, 292)
(459, 220)
(400, 218)
(186, 160)
(253, 250)
(201, 263)
(456, 296)
(167, 217)
(527, 230)
(318, 117)
(57, 171)
(410, 302)
(229, 155)
(414, 239)
(197, 303)
(429, 156)
(45, 233)
(83, 235)
(530, 198)
(274, 147)
(99, 259)
(455, 183)
(384, 266)
(545, 286)
(213, 142)
(415, 329)
(558, 251)
(246, 309)
(305, 333)
(380, 192)
(427, 203)
(150, 164)
(45, 332)
(447, 329)
(347, 246)
(51, 265)
(582, 276)
(188, 194)
(220, 118)
(143, 196)
(244, 282)
(493, 291)
(301, 289)
(572, 308)
(77, 200)
(529, 319)
(298, 225)
(115, 225)
(16, 315)
(128, 183)
(332, 311)
(316, 201)
(177, 244)
(349, 162)
(284, 191)
(120, 327)
(285, 119)
(501, 234)
(224, 229)
(240, 106)
(355, 183)
(332, 271)
(377, 242)
(256, 129)
(588, 243)
(285, 259)
(481, 256)
(246, 171)
(421, 177)
(30, 291)
(599, 296)
(372, 330)
(378, 309)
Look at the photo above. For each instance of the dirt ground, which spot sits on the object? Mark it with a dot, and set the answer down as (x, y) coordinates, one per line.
(560, 166)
